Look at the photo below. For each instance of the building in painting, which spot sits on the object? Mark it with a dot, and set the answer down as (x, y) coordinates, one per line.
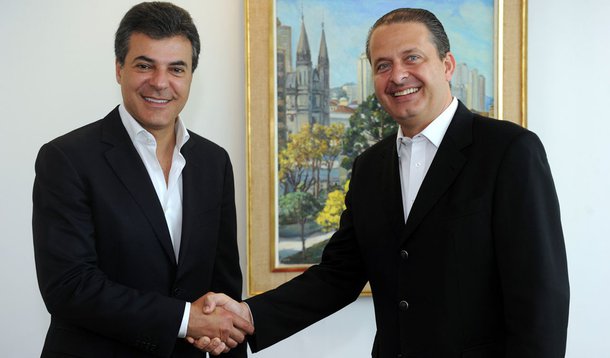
(468, 85)
(365, 79)
(284, 66)
(340, 113)
(303, 90)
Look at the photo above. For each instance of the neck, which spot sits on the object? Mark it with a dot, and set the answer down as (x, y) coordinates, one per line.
(410, 132)
(166, 142)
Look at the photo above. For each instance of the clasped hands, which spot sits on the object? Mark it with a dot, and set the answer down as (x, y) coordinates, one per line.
(217, 323)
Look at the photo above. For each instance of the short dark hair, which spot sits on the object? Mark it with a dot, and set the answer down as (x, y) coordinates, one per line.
(425, 17)
(157, 20)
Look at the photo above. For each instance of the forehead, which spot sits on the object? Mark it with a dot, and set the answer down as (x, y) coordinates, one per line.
(168, 48)
(399, 37)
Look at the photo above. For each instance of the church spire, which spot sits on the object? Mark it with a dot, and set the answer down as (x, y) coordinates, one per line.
(323, 53)
(303, 51)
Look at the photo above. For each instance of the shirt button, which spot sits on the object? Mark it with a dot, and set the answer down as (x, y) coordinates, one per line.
(404, 254)
(403, 305)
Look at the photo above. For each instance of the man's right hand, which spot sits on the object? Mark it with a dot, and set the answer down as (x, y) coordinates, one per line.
(227, 328)
(212, 302)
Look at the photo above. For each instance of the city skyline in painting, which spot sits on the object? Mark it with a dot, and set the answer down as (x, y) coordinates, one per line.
(469, 25)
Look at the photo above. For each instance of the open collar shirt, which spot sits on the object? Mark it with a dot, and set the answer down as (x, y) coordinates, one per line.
(416, 154)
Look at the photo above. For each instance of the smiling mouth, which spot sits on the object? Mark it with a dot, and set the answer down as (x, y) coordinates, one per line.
(156, 101)
(406, 92)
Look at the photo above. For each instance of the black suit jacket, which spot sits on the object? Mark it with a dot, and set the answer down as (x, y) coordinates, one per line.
(479, 269)
(104, 258)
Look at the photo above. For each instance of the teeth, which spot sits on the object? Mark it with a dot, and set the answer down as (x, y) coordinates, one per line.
(405, 92)
(160, 101)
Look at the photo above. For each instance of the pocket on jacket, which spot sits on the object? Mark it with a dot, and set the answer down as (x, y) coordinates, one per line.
(65, 341)
(461, 209)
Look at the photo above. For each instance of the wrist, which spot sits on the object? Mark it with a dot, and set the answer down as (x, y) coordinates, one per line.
(247, 313)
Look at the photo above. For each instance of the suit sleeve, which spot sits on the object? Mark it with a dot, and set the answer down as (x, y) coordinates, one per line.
(315, 294)
(531, 252)
(74, 289)
(227, 272)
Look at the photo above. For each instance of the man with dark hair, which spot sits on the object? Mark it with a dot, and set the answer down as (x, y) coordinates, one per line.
(134, 215)
(454, 221)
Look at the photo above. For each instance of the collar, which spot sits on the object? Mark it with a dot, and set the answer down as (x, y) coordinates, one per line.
(137, 133)
(435, 131)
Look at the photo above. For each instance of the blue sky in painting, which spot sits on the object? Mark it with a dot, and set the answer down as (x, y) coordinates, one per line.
(469, 25)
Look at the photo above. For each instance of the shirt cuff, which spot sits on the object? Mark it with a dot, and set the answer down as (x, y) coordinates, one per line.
(185, 320)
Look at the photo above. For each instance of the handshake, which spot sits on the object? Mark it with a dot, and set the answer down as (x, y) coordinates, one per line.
(218, 323)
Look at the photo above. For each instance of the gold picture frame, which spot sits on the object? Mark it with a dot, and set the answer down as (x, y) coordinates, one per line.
(511, 52)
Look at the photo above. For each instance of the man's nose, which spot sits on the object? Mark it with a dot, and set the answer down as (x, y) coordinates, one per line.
(399, 74)
(159, 79)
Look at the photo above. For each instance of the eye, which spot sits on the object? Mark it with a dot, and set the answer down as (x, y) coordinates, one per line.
(143, 66)
(382, 67)
(178, 70)
(412, 58)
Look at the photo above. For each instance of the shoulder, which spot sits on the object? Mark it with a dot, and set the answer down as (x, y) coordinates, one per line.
(511, 141)
(203, 150)
(200, 143)
(89, 134)
(492, 132)
(469, 127)
(497, 127)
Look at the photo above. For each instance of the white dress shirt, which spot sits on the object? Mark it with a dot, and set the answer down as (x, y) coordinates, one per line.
(416, 154)
(170, 193)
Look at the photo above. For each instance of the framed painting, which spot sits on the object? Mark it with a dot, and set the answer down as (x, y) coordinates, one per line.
(311, 109)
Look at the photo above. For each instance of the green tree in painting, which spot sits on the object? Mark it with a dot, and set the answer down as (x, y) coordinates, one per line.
(298, 207)
(368, 125)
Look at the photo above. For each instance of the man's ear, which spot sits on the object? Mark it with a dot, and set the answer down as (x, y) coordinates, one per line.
(118, 68)
(449, 62)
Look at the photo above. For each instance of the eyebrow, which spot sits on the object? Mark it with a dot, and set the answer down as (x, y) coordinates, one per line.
(143, 58)
(148, 59)
(407, 51)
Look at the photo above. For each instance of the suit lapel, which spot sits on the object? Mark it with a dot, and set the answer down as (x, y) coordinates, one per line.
(200, 199)
(191, 185)
(127, 164)
(445, 167)
(391, 188)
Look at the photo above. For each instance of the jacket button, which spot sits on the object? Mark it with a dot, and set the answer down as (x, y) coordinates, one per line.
(177, 291)
(404, 254)
(403, 305)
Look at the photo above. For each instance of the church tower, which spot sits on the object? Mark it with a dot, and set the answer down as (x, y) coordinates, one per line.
(323, 88)
(304, 74)
(307, 89)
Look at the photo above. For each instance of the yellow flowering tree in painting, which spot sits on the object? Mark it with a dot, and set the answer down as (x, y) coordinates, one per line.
(329, 217)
